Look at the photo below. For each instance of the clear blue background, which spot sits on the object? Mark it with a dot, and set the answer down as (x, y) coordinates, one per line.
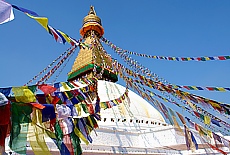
(156, 27)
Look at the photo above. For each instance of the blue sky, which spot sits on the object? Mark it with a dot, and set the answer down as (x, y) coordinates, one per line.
(156, 27)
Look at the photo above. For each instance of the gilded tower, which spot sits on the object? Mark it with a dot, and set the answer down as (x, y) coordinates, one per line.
(92, 60)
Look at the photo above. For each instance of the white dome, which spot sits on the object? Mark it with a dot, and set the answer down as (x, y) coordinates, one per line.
(135, 107)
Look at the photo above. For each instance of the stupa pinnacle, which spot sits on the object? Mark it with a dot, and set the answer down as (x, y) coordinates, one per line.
(92, 22)
(93, 61)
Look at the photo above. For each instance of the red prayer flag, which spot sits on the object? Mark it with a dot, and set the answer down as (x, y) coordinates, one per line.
(38, 105)
(47, 89)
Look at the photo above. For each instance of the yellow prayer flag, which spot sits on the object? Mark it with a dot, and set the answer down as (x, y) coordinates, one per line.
(102, 105)
(79, 134)
(23, 94)
(178, 130)
(191, 105)
(194, 87)
(65, 86)
(43, 21)
(36, 137)
(207, 120)
(65, 36)
(209, 133)
(214, 104)
(221, 89)
(207, 58)
(78, 108)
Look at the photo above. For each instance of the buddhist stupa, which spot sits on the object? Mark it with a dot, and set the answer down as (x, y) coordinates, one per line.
(133, 127)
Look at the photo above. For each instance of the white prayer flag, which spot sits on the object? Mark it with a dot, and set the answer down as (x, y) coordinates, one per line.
(6, 12)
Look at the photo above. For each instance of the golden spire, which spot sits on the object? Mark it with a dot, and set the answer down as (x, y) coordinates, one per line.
(92, 62)
(92, 22)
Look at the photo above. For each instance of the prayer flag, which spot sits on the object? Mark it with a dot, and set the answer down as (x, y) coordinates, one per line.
(76, 143)
(23, 94)
(20, 121)
(3, 100)
(4, 122)
(43, 21)
(207, 120)
(194, 140)
(65, 36)
(215, 122)
(37, 136)
(6, 12)
(57, 36)
(63, 111)
(226, 142)
(25, 10)
(216, 138)
(187, 138)
(47, 89)
(181, 118)
(5, 91)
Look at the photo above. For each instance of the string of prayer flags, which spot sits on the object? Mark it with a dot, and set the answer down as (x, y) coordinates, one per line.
(54, 69)
(194, 113)
(131, 62)
(144, 79)
(114, 102)
(197, 99)
(168, 58)
(217, 149)
(201, 130)
(58, 35)
(221, 89)
(6, 12)
(179, 58)
(47, 67)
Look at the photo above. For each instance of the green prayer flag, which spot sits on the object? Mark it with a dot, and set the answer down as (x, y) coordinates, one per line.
(59, 134)
(20, 121)
(84, 107)
(76, 142)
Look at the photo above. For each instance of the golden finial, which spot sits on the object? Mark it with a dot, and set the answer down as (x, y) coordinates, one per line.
(92, 11)
(92, 22)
